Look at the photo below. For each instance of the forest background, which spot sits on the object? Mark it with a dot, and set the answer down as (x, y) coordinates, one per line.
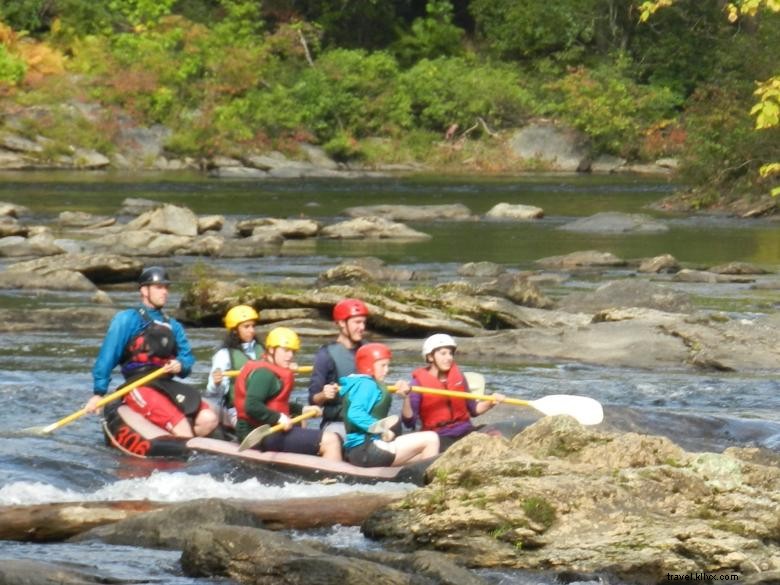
(399, 81)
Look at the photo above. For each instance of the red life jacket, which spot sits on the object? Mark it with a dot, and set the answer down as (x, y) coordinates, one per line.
(441, 411)
(279, 403)
(152, 348)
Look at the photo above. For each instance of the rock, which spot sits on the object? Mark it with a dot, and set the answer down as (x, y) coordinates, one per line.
(616, 223)
(10, 226)
(80, 219)
(250, 555)
(89, 159)
(737, 268)
(13, 161)
(362, 270)
(208, 223)
(563, 497)
(168, 219)
(453, 212)
(54, 280)
(141, 243)
(607, 164)
(481, 269)
(516, 212)
(281, 228)
(766, 207)
(517, 288)
(18, 143)
(42, 245)
(668, 163)
(13, 210)
(627, 293)
(372, 228)
(237, 172)
(98, 268)
(28, 572)
(141, 144)
(561, 148)
(318, 157)
(658, 264)
(584, 259)
(137, 206)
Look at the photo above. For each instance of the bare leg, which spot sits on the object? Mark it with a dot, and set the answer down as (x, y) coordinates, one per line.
(330, 446)
(182, 429)
(205, 422)
(415, 447)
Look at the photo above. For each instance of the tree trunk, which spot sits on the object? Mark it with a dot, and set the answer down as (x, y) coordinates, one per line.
(60, 521)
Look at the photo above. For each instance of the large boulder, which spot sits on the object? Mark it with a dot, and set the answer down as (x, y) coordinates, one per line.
(514, 212)
(563, 497)
(582, 260)
(168, 219)
(627, 293)
(99, 268)
(559, 148)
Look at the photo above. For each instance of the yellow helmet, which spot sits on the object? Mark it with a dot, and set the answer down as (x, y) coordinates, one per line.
(238, 315)
(283, 337)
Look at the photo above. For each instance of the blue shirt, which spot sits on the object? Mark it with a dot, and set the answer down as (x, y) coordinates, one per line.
(125, 326)
(363, 393)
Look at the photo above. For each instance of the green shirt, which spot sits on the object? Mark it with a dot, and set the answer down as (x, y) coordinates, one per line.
(261, 386)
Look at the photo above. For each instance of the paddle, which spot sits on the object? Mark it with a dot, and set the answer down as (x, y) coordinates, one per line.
(298, 370)
(585, 410)
(261, 432)
(383, 425)
(102, 402)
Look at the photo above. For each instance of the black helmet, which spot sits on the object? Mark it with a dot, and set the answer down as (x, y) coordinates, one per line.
(153, 275)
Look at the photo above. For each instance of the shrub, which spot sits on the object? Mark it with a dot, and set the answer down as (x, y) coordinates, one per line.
(609, 106)
(444, 91)
(12, 68)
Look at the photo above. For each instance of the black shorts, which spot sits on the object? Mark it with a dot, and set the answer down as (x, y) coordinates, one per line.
(369, 455)
(296, 440)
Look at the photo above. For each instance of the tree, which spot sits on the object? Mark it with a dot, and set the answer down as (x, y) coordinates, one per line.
(767, 109)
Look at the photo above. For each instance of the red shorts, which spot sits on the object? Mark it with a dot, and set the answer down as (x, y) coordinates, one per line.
(157, 407)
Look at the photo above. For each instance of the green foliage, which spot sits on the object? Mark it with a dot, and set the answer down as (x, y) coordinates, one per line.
(432, 36)
(24, 15)
(539, 510)
(459, 90)
(366, 24)
(12, 68)
(609, 106)
(523, 28)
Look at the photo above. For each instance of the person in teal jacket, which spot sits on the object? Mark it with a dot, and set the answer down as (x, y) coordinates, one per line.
(366, 402)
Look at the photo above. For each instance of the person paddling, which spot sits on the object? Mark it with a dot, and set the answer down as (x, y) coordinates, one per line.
(336, 360)
(366, 402)
(239, 346)
(449, 417)
(144, 339)
(262, 397)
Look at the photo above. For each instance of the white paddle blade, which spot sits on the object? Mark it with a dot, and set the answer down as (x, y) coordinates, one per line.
(476, 382)
(383, 424)
(586, 410)
(255, 437)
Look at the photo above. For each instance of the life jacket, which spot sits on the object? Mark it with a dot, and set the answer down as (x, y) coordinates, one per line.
(279, 403)
(380, 409)
(441, 411)
(237, 360)
(344, 360)
(152, 348)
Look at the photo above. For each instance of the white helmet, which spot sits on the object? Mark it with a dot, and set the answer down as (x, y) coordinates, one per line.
(436, 341)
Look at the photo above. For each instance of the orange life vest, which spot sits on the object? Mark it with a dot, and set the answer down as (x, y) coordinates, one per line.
(279, 403)
(440, 411)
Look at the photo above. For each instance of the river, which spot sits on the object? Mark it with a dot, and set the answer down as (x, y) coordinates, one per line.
(45, 375)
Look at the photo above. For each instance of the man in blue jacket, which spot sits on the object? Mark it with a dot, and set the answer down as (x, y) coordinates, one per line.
(144, 339)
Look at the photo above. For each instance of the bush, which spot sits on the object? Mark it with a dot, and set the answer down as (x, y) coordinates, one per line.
(12, 68)
(606, 104)
(460, 90)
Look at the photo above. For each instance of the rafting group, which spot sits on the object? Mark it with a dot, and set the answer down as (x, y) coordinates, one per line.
(248, 395)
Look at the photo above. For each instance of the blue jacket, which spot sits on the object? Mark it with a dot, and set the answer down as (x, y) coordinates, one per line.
(363, 393)
(125, 326)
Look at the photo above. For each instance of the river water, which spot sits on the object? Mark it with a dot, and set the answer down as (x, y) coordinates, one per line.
(44, 375)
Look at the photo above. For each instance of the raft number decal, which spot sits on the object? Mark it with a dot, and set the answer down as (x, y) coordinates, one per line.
(132, 441)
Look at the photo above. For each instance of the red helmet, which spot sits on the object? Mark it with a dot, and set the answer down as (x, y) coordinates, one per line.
(368, 354)
(347, 308)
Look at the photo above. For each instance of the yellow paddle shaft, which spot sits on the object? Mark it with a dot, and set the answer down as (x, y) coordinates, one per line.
(299, 370)
(105, 400)
(294, 420)
(464, 395)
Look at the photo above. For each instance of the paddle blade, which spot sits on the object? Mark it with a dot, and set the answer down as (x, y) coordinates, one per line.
(383, 424)
(476, 382)
(586, 410)
(255, 437)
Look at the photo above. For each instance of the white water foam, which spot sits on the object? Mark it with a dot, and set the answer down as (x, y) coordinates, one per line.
(177, 487)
